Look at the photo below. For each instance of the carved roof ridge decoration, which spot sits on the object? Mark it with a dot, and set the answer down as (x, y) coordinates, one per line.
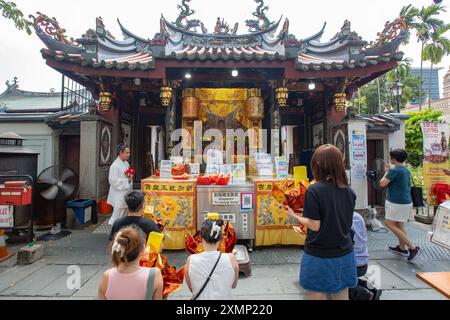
(271, 28)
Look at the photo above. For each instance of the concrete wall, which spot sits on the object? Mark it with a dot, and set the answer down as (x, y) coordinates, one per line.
(397, 139)
(39, 138)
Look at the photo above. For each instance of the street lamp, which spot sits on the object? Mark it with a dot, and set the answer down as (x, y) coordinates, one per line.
(397, 91)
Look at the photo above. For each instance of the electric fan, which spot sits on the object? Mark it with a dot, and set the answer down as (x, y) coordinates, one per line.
(56, 185)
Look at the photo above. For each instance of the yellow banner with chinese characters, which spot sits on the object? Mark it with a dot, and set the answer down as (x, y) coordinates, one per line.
(434, 173)
(273, 226)
(176, 203)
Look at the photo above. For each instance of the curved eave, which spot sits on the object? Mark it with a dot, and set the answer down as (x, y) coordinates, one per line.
(222, 36)
(130, 34)
(362, 63)
(53, 44)
(75, 59)
(316, 36)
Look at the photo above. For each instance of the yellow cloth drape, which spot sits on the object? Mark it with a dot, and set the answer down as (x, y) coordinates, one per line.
(174, 240)
(279, 237)
(273, 226)
(175, 202)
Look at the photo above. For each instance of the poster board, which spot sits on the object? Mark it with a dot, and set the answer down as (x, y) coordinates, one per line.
(435, 157)
(441, 226)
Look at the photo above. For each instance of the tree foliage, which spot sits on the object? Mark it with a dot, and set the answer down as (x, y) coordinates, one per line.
(10, 11)
(413, 133)
(370, 96)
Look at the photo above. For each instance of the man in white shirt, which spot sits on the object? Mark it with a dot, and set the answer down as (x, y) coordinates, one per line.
(119, 183)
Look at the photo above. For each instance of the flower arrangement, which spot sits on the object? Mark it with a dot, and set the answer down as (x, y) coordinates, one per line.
(130, 172)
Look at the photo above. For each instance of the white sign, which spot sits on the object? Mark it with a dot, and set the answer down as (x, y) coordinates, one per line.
(441, 226)
(226, 169)
(212, 170)
(195, 169)
(239, 175)
(226, 198)
(6, 217)
(165, 169)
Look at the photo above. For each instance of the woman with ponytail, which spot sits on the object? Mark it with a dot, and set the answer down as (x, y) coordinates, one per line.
(211, 275)
(128, 280)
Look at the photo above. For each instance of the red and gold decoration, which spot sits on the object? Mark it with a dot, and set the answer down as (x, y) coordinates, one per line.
(226, 245)
(172, 279)
(175, 202)
(340, 102)
(292, 194)
(281, 96)
(273, 225)
(166, 96)
(106, 99)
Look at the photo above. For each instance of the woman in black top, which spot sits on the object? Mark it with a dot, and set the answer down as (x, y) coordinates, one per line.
(328, 264)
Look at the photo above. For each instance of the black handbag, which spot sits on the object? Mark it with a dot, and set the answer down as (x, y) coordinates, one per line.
(417, 197)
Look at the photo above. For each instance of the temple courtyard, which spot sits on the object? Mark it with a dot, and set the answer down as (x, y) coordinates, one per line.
(275, 270)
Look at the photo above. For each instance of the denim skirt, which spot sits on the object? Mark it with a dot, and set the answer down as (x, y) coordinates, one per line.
(328, 275)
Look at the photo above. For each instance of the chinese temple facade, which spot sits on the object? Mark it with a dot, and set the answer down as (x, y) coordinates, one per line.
(190, 76)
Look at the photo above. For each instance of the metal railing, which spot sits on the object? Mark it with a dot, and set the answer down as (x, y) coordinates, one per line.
(74, 97)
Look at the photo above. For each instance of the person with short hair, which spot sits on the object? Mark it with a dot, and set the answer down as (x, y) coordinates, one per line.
(328, 265)
(211, 275)
(135, 202)
(399, 204)
(119, 184)
(127, 280)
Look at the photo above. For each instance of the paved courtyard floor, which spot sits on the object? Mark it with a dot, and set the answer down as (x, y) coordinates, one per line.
(275, 270)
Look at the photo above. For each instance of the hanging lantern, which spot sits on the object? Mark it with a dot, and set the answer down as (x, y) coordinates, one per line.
(281, 95)
(190, 105)
(105, 100)
(255, 105)
(340, 102)
(166, 96)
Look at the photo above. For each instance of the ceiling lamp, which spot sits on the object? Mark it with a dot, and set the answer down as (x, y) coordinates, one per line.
(188, 75)
(235, 73)
(312, 86)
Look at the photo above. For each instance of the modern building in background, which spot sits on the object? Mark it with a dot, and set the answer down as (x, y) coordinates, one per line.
(442, 104)
(447, 84)
(434, 83)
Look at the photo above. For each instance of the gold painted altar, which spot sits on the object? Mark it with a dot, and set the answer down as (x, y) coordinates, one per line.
(273, 226)
(176, 203)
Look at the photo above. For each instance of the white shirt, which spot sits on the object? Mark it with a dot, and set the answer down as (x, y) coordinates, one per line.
(220, 285)
(119, 184)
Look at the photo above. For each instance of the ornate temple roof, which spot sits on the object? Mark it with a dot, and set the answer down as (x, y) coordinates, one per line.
(189, 39)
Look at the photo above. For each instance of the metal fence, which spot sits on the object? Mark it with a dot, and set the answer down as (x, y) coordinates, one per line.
(75, 97)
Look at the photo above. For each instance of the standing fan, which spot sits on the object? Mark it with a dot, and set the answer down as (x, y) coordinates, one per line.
(57, 186)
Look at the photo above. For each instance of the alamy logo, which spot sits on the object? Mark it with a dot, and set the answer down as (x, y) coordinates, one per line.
(73, 282)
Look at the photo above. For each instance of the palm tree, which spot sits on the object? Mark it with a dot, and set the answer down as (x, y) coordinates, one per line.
(434, 52)
(425, 22)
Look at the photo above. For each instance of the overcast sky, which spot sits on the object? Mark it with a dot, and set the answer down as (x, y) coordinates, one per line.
(20, 56)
